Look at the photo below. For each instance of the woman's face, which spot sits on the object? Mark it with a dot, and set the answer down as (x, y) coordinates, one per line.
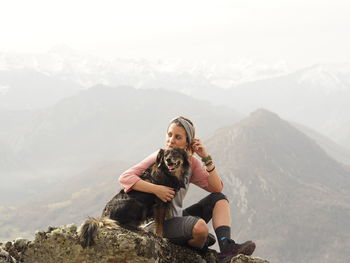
(176, 137)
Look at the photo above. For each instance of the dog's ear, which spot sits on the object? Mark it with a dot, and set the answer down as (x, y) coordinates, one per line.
(186, 163)
(160, 157)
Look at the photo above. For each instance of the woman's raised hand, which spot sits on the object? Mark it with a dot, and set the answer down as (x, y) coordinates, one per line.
(199, 148)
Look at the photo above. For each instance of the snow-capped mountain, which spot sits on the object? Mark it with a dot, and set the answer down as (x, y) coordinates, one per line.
(316, 96)
(68, 67)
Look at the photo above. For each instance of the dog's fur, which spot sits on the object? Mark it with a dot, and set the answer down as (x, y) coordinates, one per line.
(131, 209)
(88, 229)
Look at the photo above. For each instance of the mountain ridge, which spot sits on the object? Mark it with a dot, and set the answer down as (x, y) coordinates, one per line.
(278, 179)
(100, 124)
(285, 192)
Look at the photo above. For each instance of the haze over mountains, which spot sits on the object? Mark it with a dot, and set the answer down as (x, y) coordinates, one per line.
(64, 140)
(316, 96)
(27, 88)
(86, 70)
(286, 192)
(97, 125)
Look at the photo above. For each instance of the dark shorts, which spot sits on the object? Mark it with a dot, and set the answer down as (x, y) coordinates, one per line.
(179, 229)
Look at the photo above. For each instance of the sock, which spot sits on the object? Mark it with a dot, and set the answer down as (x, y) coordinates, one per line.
(223, 233)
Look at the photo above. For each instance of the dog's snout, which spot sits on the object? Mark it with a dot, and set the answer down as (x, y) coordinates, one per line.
(168, 160)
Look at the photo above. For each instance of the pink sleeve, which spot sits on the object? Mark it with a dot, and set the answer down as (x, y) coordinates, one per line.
(200, 175)
(132, 175)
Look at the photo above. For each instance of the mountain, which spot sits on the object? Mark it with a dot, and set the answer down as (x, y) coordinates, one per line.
(70, 201)
(102, 122)
(285, 191)
(97, 125)
(315, 96)
(32, 81)
(27, 88)
(87, 70)
(336, 151)
(341, 134)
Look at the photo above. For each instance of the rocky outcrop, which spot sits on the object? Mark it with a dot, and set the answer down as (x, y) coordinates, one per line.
(60, 245)
(5, 257)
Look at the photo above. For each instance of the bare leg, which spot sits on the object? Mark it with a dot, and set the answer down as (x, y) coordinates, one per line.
(221, 214)
(199, 233)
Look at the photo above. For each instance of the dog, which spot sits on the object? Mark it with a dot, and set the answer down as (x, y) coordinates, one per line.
(131, 209)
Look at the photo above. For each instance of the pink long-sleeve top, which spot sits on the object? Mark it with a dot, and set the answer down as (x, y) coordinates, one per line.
(198, 176)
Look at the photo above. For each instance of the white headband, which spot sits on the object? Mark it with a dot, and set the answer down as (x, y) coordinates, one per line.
(187, 126)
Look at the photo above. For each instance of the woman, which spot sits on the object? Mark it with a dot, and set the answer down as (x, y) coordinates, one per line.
(189, 226)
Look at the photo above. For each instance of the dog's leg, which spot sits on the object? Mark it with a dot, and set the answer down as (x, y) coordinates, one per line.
(159, 216)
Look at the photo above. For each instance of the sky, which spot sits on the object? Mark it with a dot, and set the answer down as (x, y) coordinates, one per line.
(297, 32)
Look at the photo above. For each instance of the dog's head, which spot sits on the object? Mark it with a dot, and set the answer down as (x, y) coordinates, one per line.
(175, 160)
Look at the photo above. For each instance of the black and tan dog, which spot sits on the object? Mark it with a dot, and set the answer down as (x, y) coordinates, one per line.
(132, 209)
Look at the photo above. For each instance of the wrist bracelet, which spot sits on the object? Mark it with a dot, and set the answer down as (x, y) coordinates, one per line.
(208, 163)
(211, 169)
(205, 159)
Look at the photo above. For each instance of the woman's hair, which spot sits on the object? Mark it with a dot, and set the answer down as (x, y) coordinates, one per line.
(188, 126)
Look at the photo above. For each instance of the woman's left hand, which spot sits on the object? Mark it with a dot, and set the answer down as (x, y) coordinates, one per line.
(199, 148)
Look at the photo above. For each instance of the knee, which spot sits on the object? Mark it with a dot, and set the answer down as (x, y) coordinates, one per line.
(218, 196)
(200, 229)
(221, 202)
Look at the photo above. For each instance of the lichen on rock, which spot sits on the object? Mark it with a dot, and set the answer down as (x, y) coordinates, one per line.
(119, 245)
(5, 257)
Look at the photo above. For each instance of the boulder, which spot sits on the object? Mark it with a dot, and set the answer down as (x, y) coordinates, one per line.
(119, 245)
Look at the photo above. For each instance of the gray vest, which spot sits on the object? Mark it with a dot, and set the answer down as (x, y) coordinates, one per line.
(176, 203)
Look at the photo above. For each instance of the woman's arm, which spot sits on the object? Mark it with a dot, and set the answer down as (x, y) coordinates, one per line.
(131, 180)
(214, 180)
(164, 193)
(203, 179)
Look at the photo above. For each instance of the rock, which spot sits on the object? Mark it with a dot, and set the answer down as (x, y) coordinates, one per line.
(246, 259)
(5, 257)
(60, 244)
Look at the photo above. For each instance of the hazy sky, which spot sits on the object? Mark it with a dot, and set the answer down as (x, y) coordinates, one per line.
(299, 32)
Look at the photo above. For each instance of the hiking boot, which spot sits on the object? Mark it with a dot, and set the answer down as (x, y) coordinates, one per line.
(232, 249)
